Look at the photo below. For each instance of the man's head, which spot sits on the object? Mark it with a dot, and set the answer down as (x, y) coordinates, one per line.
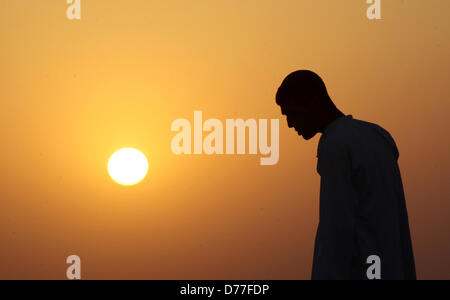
(305, 102)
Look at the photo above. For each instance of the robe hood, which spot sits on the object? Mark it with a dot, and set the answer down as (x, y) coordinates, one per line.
(387, 138)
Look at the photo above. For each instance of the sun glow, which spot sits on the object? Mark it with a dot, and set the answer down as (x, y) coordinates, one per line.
(128, 166)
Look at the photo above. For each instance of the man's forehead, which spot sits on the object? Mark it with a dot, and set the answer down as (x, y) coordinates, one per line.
(292, 106)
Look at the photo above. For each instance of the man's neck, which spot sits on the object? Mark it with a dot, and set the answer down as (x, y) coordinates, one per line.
(330, 118)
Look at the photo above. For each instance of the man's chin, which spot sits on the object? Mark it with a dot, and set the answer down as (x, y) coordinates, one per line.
(307, 137)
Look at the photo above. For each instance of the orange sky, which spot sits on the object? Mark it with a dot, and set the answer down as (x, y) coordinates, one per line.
(73, 92)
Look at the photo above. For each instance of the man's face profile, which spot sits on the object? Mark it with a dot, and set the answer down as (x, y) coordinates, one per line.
(300, 118)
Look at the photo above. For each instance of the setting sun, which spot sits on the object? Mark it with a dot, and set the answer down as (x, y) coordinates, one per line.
(128, 166)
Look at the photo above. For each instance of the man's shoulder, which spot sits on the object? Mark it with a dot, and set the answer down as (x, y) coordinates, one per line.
(349, 133)
(348, 128)
(338, 134)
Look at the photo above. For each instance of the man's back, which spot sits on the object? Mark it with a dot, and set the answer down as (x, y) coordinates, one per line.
(362, 204)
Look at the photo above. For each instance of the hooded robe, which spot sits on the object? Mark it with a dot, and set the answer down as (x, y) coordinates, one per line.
(362, 205)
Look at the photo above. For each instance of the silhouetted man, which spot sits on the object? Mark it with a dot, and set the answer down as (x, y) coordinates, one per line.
(362, 205)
